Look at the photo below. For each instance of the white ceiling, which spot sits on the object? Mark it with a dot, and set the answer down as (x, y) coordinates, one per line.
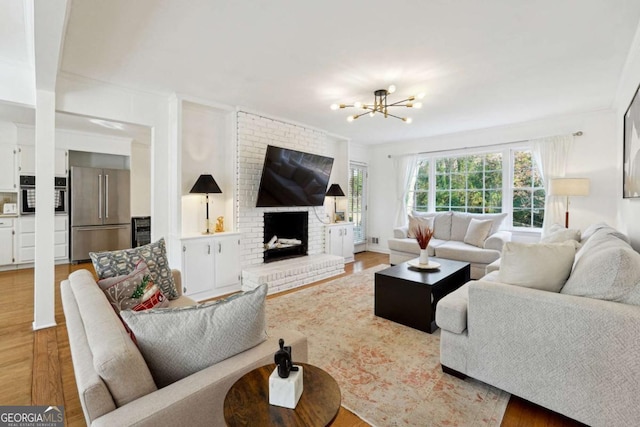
(480, 64)
(15, 41)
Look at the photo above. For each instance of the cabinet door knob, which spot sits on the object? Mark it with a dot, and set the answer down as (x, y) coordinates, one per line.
(219, 247)
(208, 249)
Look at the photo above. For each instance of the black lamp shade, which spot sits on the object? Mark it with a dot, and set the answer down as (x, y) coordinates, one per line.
(335, 191)
(205, 185)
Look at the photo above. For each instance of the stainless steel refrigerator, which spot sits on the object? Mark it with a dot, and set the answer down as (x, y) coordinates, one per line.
(100, 211)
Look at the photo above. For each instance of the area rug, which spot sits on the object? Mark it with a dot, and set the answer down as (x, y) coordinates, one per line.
(389, 374)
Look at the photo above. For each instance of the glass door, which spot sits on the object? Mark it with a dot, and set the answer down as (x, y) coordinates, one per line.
(357, 201)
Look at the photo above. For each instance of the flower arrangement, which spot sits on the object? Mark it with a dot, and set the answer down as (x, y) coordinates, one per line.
(423, 236)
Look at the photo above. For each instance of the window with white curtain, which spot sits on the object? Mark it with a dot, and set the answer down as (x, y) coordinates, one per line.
(501, 180)
(357, 201)
(418, 194)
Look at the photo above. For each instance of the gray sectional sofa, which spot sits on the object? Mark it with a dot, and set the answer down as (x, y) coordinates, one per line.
(450, 229)
(114, 382)
(574, 351)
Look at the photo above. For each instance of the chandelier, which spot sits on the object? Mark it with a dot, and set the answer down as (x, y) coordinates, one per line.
(381, 105)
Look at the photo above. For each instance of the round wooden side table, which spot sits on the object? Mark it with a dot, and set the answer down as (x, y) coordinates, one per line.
(247, 401)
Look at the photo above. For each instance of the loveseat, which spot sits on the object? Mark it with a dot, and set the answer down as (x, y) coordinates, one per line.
(572, 348)
(114, 382)
(448, 241)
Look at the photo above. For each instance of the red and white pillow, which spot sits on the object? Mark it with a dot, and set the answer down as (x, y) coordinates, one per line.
(134, 291)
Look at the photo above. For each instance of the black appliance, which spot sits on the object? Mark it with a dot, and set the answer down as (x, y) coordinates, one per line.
(140, 231)
(293, 178)
(28, 195)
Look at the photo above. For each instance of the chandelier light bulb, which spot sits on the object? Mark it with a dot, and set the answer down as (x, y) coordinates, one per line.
(357, 104)
(407, 120)
(391, 89)
(417, 105)
(334, 106)
(373, 113)
(350, 118)
(420, 95)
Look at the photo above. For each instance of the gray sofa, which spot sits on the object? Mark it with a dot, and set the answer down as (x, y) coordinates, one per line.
(575, 352)
(114, 383)
(448, 241)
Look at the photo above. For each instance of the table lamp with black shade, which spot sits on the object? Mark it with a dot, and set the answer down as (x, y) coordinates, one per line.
(335, 191)
(206, 185)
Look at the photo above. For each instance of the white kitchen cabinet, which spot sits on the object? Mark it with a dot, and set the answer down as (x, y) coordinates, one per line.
(27, 238)
(339, 240)
(27, 161)
(8, 175)
(210, 265)
(6, 241)
(61, 162)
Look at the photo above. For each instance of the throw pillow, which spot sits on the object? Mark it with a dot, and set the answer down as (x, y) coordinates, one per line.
(117, 263)
(441, 223)
(460, 223)
(544, 266)
(418, 221)
(134, 291)
(561, 234)
(609, 270)
(211, 332)
(477, 232)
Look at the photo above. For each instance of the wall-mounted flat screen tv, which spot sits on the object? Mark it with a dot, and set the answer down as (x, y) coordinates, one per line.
(293, 178)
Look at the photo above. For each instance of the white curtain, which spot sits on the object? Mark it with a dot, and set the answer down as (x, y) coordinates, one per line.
(551, 155)
(404, 167)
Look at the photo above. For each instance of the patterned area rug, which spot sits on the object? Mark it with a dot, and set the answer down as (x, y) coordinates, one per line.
(389, 374)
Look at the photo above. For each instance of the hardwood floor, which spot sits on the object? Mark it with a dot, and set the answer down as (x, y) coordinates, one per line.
(36, 368)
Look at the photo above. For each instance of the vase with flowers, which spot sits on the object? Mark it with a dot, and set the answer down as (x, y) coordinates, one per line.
(423, 236)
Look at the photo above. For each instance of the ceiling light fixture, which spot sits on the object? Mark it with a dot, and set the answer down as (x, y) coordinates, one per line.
(381, 106)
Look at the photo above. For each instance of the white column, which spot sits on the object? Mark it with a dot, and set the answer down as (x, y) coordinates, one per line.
(44, 274)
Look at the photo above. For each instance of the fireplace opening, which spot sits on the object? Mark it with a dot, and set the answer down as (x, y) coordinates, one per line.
(285, 235)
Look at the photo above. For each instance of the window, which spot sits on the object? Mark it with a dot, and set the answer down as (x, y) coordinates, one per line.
(418, 196)
(506, 180)
(356, 200)
(469, 183)
(527, 191)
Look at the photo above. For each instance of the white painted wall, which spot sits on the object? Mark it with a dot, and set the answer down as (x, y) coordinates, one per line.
(88, 97)
(21, 90)
(629, 209)
(207, 148)
(592, 157)
(79, 141)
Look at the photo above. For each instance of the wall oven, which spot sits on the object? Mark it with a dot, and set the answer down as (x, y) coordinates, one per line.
(28, 195)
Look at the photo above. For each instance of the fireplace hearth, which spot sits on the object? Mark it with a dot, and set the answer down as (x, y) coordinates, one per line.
(285, 235)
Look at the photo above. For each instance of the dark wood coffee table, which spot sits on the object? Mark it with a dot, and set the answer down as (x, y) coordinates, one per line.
(247, 401)
(409, 296)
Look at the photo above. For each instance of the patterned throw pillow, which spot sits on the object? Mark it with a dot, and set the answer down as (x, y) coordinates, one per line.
(134, 291)
(211, 332)
(118, 263)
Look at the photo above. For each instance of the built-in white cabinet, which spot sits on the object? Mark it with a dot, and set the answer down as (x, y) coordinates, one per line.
(338, 240)
(7, 245)
(27, 161)
(27, 238)
(8, 176)
(210, 265)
